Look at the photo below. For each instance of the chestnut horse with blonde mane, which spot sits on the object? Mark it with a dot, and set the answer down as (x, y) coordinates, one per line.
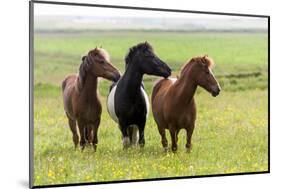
(80, 96)
(173, 103)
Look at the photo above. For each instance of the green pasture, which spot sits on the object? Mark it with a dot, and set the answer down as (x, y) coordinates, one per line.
(231, 133)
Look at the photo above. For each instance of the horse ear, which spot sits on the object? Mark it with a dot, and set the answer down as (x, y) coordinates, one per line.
(83, 58)
(93, 53)
(95, 50)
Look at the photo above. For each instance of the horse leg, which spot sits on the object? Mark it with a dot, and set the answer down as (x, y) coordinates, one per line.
(126, 139)
(95, 133)
(89, 134)
(163, 137)
(141, 134)
(130, 133)
(82, 130)
(177, 133)
(188, 137)
(133, 135)
(173, 134)
(75, 137)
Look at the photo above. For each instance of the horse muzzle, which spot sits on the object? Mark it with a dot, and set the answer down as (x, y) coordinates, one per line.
(166, 72)
(166, 75)
(216, 91)
(116, 77)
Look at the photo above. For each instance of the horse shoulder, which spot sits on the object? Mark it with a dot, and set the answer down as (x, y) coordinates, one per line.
(160, 88)
(160, 100)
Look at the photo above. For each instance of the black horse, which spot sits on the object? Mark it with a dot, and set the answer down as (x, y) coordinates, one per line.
(127, 102)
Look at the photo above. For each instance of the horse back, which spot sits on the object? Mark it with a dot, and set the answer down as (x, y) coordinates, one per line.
(69, 80)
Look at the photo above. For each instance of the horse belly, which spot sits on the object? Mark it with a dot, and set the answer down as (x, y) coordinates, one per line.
(146, 101)
(111, 104)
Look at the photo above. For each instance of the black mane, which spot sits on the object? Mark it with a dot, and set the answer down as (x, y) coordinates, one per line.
(139, 47)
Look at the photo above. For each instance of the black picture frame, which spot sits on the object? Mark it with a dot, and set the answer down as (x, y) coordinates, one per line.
(31, 80)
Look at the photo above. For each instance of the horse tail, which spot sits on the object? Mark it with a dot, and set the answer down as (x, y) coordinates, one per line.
(63, 84)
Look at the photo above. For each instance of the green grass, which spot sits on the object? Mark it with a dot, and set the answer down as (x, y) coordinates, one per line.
(231, 130)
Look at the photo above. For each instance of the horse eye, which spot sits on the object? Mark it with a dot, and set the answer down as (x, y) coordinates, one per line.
(102, 61)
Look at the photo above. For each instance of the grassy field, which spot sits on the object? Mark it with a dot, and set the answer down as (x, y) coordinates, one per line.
(231, 133)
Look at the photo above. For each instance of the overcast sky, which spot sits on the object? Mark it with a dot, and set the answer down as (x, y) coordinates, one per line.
(100, 14)
(53, 9)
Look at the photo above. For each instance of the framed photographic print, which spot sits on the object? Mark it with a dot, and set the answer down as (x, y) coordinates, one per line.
(122, 94)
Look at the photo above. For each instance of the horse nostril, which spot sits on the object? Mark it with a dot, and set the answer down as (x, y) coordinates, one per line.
(117, 77)
(218, 91)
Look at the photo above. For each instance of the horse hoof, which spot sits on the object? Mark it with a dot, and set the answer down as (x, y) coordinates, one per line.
(165, 149)
(82, 147)
(188, 150)
(95, 147)
(174, 149)
(126, 142)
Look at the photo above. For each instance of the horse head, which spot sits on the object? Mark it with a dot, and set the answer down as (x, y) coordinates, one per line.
(98, 63)
(143, 56)
(203, 75)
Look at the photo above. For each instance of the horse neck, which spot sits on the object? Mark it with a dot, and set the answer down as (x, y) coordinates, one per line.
(132, 80)
(90, 86)
(186, 87)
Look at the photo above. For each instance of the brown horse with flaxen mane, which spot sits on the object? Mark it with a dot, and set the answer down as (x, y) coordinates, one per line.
(80, 96)
(173, 103)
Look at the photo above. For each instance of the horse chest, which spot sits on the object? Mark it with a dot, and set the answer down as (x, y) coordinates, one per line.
(180, 116)
(89, 110)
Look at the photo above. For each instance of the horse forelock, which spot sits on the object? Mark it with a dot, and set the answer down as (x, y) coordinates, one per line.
(99, 52)
(139, 47)
(198, 60)
(104, 54)
(208, 61)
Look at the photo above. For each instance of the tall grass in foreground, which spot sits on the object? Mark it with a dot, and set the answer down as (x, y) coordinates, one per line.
(231, 132)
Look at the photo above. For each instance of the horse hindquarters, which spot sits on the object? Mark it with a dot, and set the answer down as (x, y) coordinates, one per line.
(158, 117)
(163, 109)
(67, 92)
